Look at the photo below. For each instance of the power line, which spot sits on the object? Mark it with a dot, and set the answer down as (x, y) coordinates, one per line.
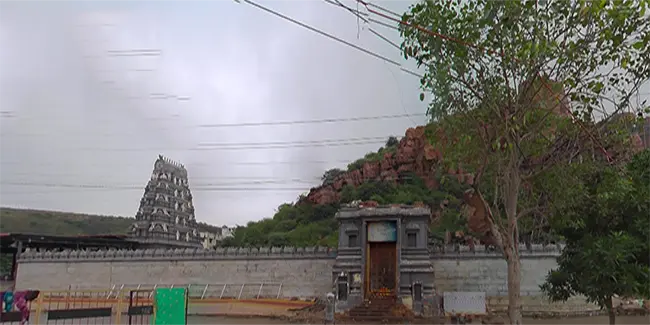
(201, 186)
(31, 191)
(242, 163)
(193, 185)
(261, 147)
(9, 114)
(367, 20)
(255, 145)
(366, 17)
(332, 37)
(382, 138)
(202, 178)
(141, 188)
(241, 180)
(315, 121)
(381, 8)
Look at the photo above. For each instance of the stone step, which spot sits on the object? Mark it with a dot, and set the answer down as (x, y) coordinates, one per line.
(381, 319)
(373, 306)
(385, 310)
(363, 310)
(366, 314)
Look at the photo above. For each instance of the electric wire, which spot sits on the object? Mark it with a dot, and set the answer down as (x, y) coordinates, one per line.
(332, 37)
(141, 188)
(258, 146)
(323, 141)
(313, 121)
(366, 16)
(11, 114)
(197, 186)
(194, 165)
(359, 15)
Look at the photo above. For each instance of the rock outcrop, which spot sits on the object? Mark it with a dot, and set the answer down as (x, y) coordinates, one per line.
(414, 154)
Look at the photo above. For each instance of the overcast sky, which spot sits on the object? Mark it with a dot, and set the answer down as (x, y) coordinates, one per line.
(76, 117)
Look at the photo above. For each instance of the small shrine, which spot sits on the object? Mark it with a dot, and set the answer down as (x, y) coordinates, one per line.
(383, 254)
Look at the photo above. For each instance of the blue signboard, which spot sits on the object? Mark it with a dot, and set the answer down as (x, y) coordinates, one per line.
(384, 231)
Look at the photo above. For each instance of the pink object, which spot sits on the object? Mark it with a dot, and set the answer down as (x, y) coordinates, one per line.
(21, 304)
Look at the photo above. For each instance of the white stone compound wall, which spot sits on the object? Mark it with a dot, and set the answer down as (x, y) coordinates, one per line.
(303, 272)
(460, 268)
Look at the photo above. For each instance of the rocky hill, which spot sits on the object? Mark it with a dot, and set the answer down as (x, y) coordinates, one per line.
(413, 154)
(401, 172)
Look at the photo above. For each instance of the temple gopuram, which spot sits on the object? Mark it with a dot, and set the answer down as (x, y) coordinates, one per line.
(166, 214)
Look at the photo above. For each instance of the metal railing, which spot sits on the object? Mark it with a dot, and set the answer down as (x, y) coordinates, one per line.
(112, 305)
(249, 290)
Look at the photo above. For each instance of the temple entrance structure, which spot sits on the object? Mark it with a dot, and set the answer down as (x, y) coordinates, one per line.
(382, 254)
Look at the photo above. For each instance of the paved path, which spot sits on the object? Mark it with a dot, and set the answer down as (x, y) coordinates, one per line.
(203, 320)
(199, 320)
(191, 320)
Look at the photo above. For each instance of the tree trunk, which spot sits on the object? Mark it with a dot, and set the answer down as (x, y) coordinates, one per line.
(514, 285)
(610, 311)
(612, 316)
(511, 242)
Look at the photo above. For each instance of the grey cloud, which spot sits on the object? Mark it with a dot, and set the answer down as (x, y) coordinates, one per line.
(234, 62)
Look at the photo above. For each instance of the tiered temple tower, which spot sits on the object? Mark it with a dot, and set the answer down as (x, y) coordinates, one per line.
(166, 214)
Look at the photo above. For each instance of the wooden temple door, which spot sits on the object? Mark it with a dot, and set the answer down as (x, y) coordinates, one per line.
(382, 270)
(381, 259)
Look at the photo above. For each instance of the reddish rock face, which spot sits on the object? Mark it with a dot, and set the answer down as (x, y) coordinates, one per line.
(414, 154)
(406, 157)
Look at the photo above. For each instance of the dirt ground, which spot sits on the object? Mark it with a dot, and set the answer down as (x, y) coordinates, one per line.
(200, 320)
(595, 320)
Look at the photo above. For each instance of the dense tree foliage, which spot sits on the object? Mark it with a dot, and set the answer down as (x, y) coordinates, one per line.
(306, 224)
(6, 261)
(606, 228)
(389, 147)
(330, 175)
(490, 68)
(61, 223)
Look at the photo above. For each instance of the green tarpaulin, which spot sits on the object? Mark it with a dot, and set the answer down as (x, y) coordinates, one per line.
(170, 306)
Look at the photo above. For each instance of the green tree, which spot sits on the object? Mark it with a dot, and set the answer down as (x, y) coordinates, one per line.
(392, 142)
(494, 101)
(330, 175)
(6, 262)
(606, 230)
(348, 194)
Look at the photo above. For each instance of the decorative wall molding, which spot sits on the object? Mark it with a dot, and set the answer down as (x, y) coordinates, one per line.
(176, 254)
(481, 251)
(265, 253)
